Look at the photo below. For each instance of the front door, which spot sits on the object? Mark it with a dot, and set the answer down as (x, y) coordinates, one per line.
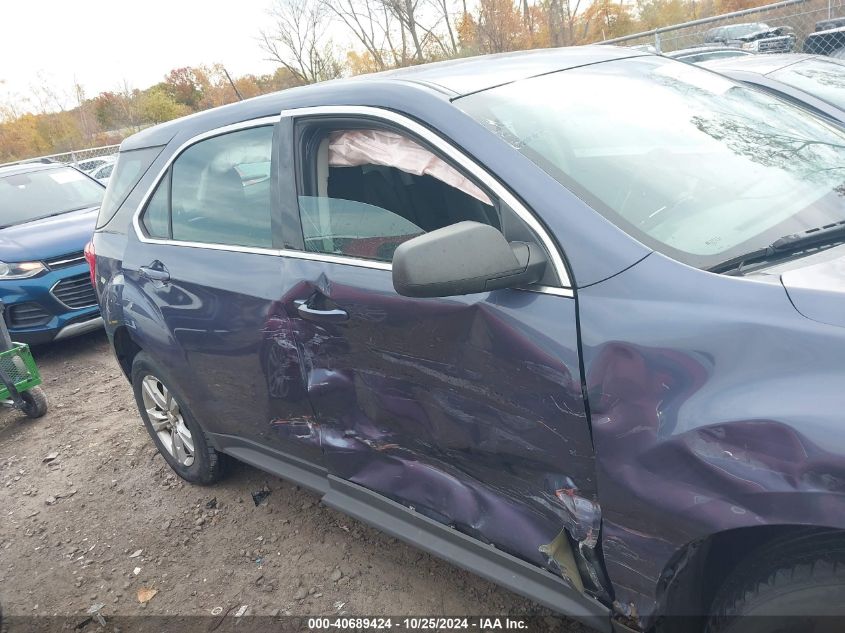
(468, 409)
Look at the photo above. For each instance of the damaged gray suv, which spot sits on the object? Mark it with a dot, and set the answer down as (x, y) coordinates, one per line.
(571, 319)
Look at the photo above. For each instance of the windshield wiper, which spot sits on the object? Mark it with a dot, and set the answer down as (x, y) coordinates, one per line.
(786, 245)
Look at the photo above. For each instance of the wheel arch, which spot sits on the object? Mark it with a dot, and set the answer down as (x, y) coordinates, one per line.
(691, 579)
(125, 349)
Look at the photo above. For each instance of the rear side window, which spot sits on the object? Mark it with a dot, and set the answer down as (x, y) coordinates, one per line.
(157, 216)
(219, 192)
(129, 169)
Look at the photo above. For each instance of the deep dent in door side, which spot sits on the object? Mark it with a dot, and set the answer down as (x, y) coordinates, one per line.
(434, 423)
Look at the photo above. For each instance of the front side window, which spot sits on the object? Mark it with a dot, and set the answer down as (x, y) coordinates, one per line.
(33, 195)
(369, 190)
(821, 78)
(688, 162)
(219, 192)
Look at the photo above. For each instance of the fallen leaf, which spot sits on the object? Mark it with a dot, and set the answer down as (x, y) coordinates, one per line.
(49, 458)
(136, 553)
(145, 594)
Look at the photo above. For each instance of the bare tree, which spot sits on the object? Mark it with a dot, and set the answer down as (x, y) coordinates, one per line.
(571, 13)
(406, 12)
(442, 7)
(363, 19)
(298, 41)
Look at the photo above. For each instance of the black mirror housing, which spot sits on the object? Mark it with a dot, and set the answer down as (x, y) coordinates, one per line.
(464, 258)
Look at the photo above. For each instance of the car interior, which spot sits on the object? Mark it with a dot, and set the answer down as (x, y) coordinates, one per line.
(370, 196)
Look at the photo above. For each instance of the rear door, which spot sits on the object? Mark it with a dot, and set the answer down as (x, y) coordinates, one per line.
(210, 265)
(467, 409)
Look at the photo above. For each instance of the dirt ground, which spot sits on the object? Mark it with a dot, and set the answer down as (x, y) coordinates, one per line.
(107, 518)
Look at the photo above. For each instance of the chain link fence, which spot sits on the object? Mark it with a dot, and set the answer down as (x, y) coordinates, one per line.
(85, 159)
(810, 26)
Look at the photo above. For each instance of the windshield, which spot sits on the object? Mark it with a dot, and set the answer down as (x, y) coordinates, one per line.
(28, 196)
(685, 160)
(818, 77)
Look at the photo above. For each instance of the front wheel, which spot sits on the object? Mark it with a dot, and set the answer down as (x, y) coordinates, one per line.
(175, 432)
(34, 402)
(792, 585)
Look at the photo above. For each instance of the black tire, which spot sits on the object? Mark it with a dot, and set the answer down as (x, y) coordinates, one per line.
(791, 584)
(206, 467)
(34, 402)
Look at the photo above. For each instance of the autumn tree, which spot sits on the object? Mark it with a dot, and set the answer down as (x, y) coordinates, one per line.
(656, 13)
(185, 85)
(157, 105)
(500, 26)
(605, 19)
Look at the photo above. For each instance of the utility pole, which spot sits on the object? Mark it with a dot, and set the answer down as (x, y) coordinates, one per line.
(234, 87)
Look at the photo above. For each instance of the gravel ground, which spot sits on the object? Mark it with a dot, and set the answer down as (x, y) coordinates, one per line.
(106, 522)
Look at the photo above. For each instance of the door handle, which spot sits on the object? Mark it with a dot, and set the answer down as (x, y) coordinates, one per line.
(329, 315)
(156, 271)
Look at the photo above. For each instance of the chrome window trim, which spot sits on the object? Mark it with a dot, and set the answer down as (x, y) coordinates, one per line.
(371, 112)
(456, 155)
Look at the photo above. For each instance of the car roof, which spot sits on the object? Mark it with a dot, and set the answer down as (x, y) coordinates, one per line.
(25, 168)
(445, 80)
(760, 64)
(473, 74)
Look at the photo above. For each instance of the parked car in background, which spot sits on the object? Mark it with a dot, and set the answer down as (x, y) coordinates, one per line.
(103, 172)
(369, 286)
(47, 214)
(91, 164)
(756, 37)
(827, 39)
(814, 82)
(706, 53)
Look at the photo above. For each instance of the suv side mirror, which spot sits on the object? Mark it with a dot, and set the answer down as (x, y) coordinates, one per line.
(462, 259)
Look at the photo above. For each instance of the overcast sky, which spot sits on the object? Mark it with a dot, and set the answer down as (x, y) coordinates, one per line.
(101, 44)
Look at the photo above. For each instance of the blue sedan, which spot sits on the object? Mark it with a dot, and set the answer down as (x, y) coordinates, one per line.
(47, 215)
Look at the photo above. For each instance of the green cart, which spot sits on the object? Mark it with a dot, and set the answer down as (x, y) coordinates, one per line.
(19, 377)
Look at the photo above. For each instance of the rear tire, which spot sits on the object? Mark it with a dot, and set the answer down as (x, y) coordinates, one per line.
(793, 584)
(34, 402)
(190, 454)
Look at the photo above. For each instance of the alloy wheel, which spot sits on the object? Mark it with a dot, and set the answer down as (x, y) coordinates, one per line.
(167, 420)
